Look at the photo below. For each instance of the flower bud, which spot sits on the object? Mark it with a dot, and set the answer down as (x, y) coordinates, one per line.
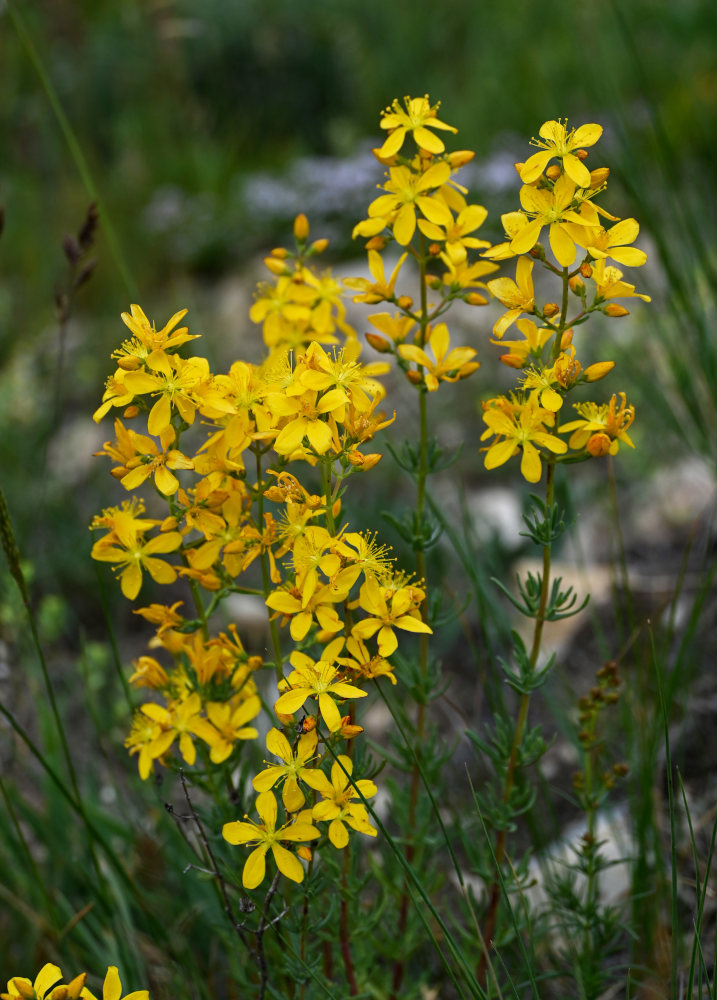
(460, 157)
(600, 369)
(576, 285)
(281, 253)
(255, 663)
(304, 852)
(301, 228)
(615, 310)
(538, 252)
(598, 444)
(586, 270)
(433, 283)
(130, 412)
(599, 176)
(348, 730)
(404, 302)
(318, 246)
(309, 723)
(119, 471)
(378, 343)
(277, 267)
(511, 360)
(551, 309)
(369, 461)
(377, 243)
(566, 339)
(434, 249)
(553, 172)
(414, 377)
(475, 299)
(169, 524)
(582, 154)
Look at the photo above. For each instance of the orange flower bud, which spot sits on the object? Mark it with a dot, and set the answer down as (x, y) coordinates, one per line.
(512, 360)
(301, 228)
(404, 302)
(348, 730)
(475, 299)
(615, 310)
(551, 309)
(460, 158)
(377, 243)
(434, 283)
(598, 444)
(280, 252)
(255, 663)
(304, 852)
(538, 252)
(131, 411)
(434, 249)
(566, 339)
(355, 458)
(119, 471)
(415, 378)
(599, 176)
(582, 154)
(370, 460)
(318, 246)
(275, 266)
(169, 524)
(553, 172)
(586, 270)
(378, 343)
(309, 723)
(599, 370)
(576, 285)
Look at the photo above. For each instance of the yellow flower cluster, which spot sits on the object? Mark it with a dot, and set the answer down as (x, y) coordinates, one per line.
(558, 193)
(423, 210)
(219, 450)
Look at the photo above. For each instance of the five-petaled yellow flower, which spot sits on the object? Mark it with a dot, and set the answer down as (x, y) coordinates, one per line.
(267, 836)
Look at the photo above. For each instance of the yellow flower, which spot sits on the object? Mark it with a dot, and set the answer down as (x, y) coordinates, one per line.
(336, 806)
(455, 233)
(390, 609)
(320, 680)
(229, 720)
(609, 284)
(149, 460)
(267, 836)
(601, 243)
(520, 426)
(133, 554)
(293, 770)
(415, 118)
(406, 192)
(112, 989)
(41, 989)
(182, 719)
(518, 295)
(378, 290)
(602, 426)
(448, 366)
(557, 141)
(173, 379)
(519, 350)
(553, 209)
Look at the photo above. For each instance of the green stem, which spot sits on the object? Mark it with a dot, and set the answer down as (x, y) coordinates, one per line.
(265, 574)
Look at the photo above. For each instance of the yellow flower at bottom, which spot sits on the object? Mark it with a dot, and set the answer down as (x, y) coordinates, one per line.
(266, 836)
